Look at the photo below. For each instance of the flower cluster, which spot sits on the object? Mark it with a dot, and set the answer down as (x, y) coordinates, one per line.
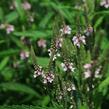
(97, 72)
(71, 88)
(67, 66)
(78, 40)
(48, 77)
(55, 55)
(87, 68)
(88, 72)
(105, 3)
(38, 71)
(58, 43)
(66, 30)
(9, 28)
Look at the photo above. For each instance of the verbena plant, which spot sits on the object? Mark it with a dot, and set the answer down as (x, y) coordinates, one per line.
(76, 70)
(72, 71)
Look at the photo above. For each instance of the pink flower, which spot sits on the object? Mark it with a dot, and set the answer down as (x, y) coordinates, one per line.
(65, 30)
(42, 43)
(68, 66)
(78, 40)
(26, 5)
(88, 31)
(105, 3)
(87, 66)
(48, 77)
(38, 71)
(9, 28)
(24, 55)
(59, 42)
(87, 74)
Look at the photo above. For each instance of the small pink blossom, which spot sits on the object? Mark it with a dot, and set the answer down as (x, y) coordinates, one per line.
(87, 74)
(78, 40)
(59, 42)
(65, 30)
(87, 66)
(24, 55)
(9, 28)
(26, 5)
(48, 77)
(68, 66)
(42, 43)
(89, 31)
(38, 71)
(104, 3)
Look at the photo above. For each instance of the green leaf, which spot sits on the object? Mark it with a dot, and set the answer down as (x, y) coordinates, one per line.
(9, 52)
(11, 17)
(83, 107)
(1, 14)
(3, 63)
(33, 56)
(90, 5)
(21, 88)
(104, 85)
(19, 9)
(22, 107)
(98, 22)
(46, 19)
(42, 61)
(2, 41)
(7, 73)
(45, 101)
(17, 42)
(27, 107)
(34, 34)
